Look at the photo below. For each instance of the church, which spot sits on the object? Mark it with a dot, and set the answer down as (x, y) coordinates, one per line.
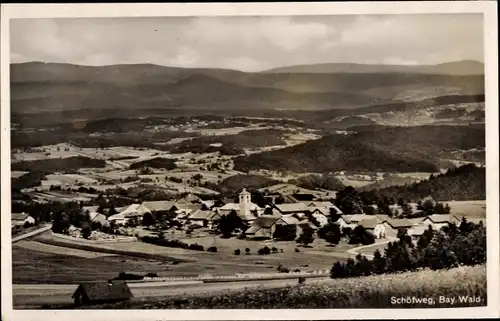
(247, 210)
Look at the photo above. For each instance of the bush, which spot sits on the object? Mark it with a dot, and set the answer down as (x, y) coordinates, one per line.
(274, 249)
(282, 269)
(196, 247)
(212, 249)
(247, 251)
(297, 250)
(237, 252)
(264, 251)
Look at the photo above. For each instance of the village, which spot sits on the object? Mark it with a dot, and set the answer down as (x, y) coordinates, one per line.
(288, 208)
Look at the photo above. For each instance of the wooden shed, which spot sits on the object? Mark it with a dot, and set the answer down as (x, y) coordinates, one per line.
(101, 292)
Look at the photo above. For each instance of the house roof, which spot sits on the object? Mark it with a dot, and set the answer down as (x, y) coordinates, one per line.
(370, 223)
(203, 215)
(306, 225)
(353, 218)
(155, 206)
(188, 207)
(134, 210)
(294, 207)
(441, 218)
(96, 217)
(416, 220)
(19, 216)
(326, 204)
(265, 221)
(97, 291)
(290, 219)
(397, 223)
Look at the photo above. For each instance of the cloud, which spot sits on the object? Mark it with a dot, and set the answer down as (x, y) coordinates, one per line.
(249, 43)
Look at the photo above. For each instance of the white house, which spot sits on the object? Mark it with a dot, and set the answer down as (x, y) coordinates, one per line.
(20, 219)
(375, 226)
(134, 211)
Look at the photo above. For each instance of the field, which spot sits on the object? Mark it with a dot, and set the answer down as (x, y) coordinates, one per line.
(47, 259)
(362, 292)
(32, 266)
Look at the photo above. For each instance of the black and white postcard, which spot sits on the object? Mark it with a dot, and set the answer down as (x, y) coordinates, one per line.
(250, 161)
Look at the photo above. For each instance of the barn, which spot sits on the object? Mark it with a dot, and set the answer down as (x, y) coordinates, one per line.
(101, 292)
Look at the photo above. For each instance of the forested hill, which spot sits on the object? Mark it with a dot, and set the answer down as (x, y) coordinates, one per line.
(467, 182)
(377, 149)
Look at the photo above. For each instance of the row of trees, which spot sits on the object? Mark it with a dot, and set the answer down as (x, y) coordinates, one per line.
(351, 201)
(436, 249)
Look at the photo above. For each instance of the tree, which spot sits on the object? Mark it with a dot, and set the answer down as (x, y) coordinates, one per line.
(86, 231)
(112, 211)
(333, 235)
(337, 271)
(361, 235)
(229, 223)
(306, 237)
(147, 219)
(61, 223)
(427, 206)
(404, 238)
(285, 232)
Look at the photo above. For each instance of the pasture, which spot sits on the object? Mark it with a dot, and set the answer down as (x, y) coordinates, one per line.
(55, 256)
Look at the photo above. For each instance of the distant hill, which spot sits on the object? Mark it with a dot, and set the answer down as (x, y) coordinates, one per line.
(467, 182)
(458, 68)
(38, 87)
(376, 149)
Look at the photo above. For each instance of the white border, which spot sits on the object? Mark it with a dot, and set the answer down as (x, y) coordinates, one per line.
(488, 8)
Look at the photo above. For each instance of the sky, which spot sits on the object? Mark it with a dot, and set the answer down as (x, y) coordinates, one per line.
(250, 43)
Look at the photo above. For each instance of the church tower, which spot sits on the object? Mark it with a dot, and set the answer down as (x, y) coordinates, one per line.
(244, 203)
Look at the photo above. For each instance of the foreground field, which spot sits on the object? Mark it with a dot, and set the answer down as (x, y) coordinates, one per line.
(364, 292)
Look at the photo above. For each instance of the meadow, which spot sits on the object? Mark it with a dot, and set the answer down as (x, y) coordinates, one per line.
(363, 292)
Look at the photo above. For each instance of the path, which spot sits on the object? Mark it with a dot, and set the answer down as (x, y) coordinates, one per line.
(355, 251)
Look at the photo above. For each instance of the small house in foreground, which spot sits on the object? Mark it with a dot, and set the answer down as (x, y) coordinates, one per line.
(101, 292)
(21, 219)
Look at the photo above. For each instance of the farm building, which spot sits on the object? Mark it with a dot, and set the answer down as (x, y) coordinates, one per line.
(285, 209)
(392, 226)
(264, 227)
(134, 211)
(98, 218)
(439, 220)
(351, 220)
(202, 218)
(21, 219)
(375, 226)
(159, 207)
(416, 231)
(185, 209)
(101, 292)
